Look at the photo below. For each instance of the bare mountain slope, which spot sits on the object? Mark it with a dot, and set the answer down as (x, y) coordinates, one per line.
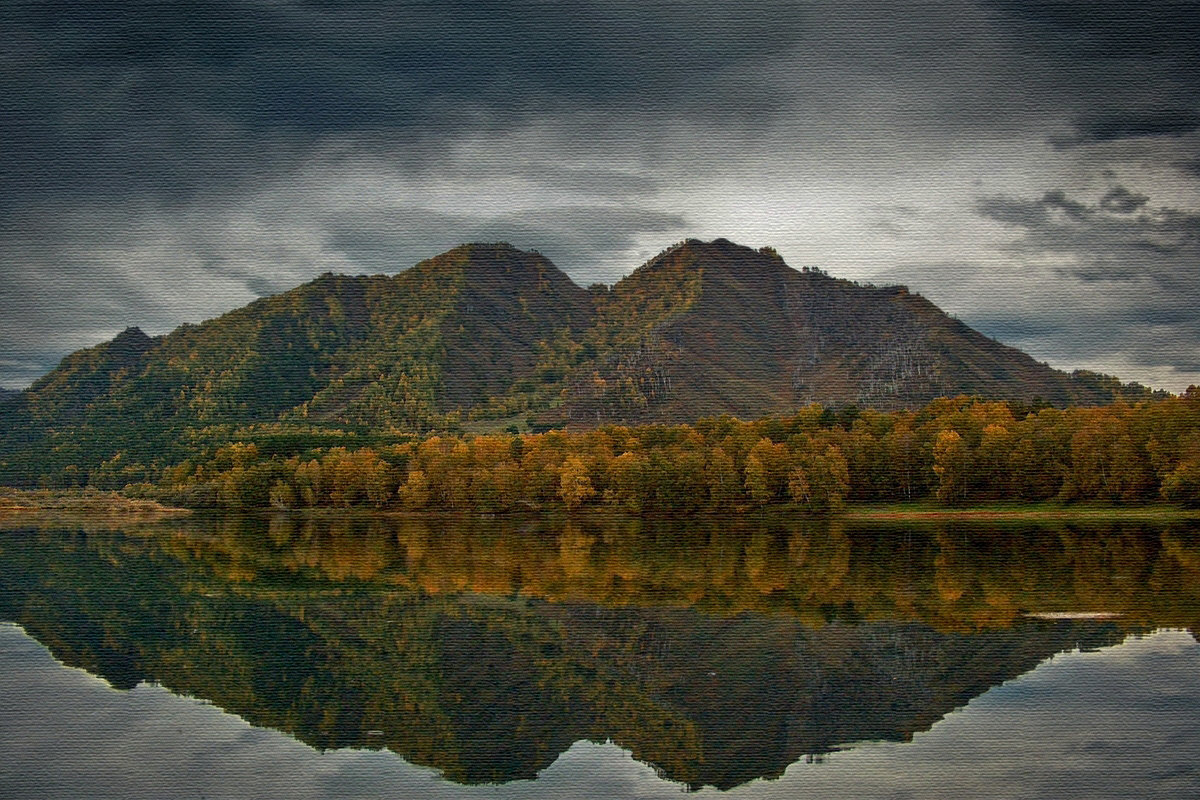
(716, 327)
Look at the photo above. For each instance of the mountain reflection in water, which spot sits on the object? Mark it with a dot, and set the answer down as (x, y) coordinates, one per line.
(716, 651)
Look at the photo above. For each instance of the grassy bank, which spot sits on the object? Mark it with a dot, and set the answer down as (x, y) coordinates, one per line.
(1019, 511)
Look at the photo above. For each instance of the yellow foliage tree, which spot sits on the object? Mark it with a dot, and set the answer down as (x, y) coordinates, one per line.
(951, 461)
(575, 486)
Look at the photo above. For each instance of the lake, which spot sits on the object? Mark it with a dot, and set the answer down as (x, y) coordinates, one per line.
(364, 656)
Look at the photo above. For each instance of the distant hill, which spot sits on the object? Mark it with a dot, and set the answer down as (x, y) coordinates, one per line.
(490, 335)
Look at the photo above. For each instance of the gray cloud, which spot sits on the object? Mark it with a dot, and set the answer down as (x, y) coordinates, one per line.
(1163, 30)
(1122, 201)
(1106, 242)
(1106, 127)
(1127, 279)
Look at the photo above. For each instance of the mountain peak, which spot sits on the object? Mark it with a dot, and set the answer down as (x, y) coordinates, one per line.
(497, 308)
(698, 246)
(489, 248)
(131, 337)
(718, 251)
(490, 260)
(718, 268)
(486, 250)
(721, 243)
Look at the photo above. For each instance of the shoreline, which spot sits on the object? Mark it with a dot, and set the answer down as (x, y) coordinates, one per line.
(97, 503)
(91, 502)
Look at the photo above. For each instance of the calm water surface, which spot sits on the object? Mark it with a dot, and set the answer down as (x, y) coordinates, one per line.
(362, 657)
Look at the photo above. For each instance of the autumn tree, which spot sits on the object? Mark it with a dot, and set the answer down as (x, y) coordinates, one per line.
(721, 479)
(575, 487)
(766, 470)
(1182, 485)
(951, 462)
(414, 493)
(820, 478)
(990, 475)
(903, 457)
(627, 481)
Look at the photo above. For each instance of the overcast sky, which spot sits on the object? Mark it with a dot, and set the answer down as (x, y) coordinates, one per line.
(1033, 168)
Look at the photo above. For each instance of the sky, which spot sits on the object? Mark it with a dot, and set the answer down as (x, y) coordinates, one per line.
(1031, 167)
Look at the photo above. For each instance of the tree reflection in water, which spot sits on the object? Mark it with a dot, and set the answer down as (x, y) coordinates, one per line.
(718, 651)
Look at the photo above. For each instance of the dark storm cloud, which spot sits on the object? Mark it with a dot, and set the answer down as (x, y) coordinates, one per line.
(602, 183)
(1132, 69)
(1112, 29)
(1106, 241)
(1112, 126)
(1106, 127)
(129, 98)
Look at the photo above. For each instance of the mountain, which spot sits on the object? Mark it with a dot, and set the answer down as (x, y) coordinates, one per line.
(706, 328)
(494, 336)
(408, 352)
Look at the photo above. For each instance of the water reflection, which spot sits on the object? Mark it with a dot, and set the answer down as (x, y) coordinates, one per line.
(719, 653)
(1084, 725)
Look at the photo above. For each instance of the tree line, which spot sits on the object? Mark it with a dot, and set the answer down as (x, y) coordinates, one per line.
(953, 451)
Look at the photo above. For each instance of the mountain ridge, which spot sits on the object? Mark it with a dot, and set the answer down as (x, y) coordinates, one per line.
(759, 336)
(495, 337)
